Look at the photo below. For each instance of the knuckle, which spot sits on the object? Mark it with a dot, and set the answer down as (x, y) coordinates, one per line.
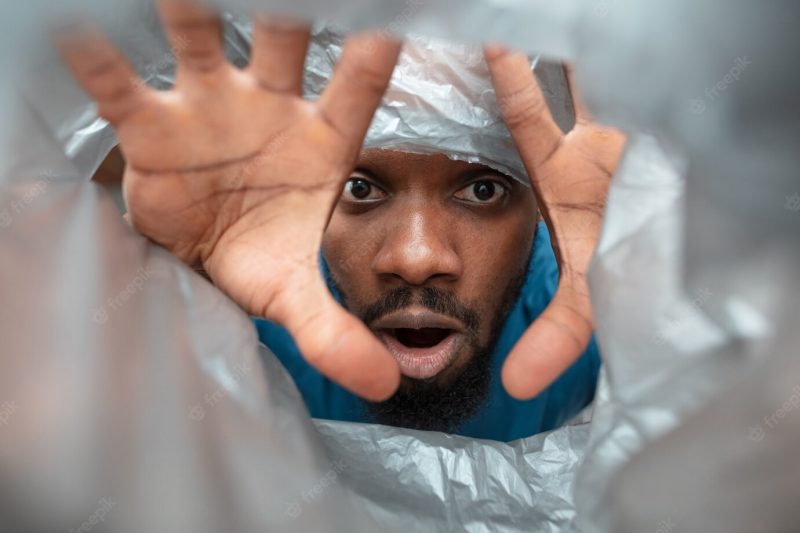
(522, 107)
(365, 76)
(204, 59)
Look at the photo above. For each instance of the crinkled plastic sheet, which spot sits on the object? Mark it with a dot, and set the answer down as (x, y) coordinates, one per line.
(450, 483)
(163, 407)
(440, 99)
(132, 385)
(140, 396)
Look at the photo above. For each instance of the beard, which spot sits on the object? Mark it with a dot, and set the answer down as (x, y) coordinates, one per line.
(434, 404)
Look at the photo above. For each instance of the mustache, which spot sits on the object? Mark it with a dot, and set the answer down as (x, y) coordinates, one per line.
(437, 300)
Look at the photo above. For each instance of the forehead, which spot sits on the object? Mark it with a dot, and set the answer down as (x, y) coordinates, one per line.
(392, 163)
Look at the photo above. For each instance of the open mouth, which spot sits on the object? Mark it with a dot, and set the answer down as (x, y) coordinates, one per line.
(423, 343)
(422, 353)
(420, 338)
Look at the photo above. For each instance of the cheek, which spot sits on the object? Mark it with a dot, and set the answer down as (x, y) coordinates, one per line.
(494, 253)
(348, 246)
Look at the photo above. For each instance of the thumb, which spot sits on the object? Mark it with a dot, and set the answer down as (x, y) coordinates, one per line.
(550, 345)
(335, 342)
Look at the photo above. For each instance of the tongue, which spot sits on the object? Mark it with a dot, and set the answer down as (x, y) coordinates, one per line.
(421, 338)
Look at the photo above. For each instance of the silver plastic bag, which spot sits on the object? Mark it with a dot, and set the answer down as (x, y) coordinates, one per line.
(160, 415)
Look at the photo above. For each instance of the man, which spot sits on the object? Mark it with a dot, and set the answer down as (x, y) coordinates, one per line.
(445, 262)
(233, 169)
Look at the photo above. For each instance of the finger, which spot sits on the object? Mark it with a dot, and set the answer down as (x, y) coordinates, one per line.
(195, 35)
(102, 71)
(524, 108)
(359, 81)
(554, 341)
(279, 54)
(335, 342)
(582, 113)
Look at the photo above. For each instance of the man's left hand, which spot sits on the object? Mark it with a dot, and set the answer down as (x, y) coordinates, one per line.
(570, 175)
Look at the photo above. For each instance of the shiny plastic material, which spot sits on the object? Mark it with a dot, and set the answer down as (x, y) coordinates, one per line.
(133, 397)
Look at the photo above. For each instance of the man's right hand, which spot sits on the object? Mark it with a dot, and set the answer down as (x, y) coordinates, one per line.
(234, 169)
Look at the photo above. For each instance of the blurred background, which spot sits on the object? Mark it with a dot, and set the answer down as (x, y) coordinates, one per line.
(694, 286)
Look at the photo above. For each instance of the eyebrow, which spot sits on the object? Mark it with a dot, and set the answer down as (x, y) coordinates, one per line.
(485, 171)
(376, 168)
(466, 175)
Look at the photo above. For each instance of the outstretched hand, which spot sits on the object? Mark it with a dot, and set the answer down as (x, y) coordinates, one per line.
(570, 175)
(235, 170)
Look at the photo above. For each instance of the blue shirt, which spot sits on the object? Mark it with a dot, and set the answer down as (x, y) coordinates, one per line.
(502, 417)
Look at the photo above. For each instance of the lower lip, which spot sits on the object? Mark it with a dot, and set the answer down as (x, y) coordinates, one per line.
(422, 363)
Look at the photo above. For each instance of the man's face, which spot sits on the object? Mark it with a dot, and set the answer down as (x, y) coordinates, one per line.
(431, 253)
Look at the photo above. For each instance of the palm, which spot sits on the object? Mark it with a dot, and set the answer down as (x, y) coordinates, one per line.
(570, 175)
(573, 185)
(234, 169)
(252, 189)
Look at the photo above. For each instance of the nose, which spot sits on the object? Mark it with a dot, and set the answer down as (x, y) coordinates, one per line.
(417, 250)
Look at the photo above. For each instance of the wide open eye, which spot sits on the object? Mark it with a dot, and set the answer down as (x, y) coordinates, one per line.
(360, 189)
(483, 191)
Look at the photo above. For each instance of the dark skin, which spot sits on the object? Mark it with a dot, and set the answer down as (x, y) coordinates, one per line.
(218, 172)
(426, 220)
